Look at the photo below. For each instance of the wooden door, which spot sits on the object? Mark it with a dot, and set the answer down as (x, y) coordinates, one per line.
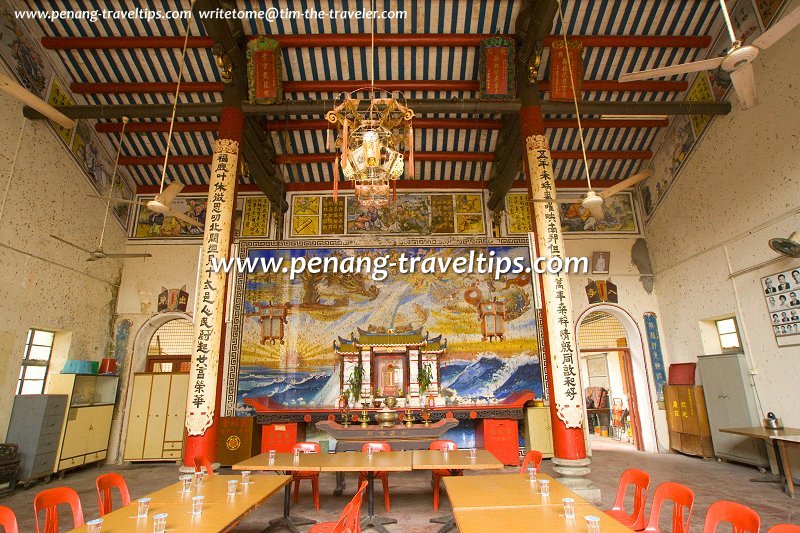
(176, 409)
(99, 425)
(540, 434)
(137, 419)
(157, 417)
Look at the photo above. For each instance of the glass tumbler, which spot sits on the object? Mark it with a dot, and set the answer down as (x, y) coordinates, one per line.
(93, 526)
(544, 487)
(143, 507)
(245, 477)
(186, 483)
(160, 523)
(271, 456)
(569, 508)
(593, 524)
(232, 486)
(197, 505)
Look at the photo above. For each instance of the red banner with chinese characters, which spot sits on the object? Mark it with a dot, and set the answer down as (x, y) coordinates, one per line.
(496, 69)
(563, 60)
(264, 71)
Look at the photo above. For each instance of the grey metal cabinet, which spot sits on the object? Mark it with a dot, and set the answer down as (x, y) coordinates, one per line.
(730, 402)
(35, 426)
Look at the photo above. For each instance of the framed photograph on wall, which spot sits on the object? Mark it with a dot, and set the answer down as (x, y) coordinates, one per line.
(782, 295)
(600, 262)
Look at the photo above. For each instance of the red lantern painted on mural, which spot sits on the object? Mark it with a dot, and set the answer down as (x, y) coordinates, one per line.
(564, 59)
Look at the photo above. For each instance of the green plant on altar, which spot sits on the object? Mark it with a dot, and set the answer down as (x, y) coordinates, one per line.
(425, 378)
(346, 396)
(355, 381)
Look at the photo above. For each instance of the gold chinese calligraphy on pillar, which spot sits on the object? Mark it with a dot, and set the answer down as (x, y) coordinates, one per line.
(563, 357)
(209, 306)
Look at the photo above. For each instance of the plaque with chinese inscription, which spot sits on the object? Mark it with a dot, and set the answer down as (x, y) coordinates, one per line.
(496, 69)
(264, 71)
(442, 214)
(256, 217)
(518, 213)
(566, 68)
(332, 216)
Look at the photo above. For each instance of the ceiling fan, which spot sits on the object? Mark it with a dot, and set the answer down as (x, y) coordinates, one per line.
(17, 91)
(593, 201)
(789, 247)
(737, 61)
(162, 203)
(98, 253)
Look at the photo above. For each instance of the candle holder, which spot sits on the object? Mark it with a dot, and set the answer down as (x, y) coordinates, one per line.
(425, 415)
(409, 417)
(346, 416)
(364, 418)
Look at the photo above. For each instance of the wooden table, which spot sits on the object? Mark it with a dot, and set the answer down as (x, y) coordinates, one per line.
(766, 435)
(284, 462)
(379, 462)
(455, 460)
(535, 518)
(504, 490)
(782, 442)
(220, 511)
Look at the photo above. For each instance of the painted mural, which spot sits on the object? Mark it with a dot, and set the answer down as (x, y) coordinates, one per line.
(620, 215)
(157, 226)
(301, 370)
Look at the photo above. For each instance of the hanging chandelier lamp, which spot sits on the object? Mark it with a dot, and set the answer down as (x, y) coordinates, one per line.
(371, 142)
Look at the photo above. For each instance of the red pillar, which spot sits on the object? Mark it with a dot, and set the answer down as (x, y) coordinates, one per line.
(568, 443)
(231, 126)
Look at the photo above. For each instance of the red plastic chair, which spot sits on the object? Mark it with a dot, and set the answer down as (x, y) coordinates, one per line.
(349, 520)
(640, 480)
(307, 447)
(48, 501)
(438, 474)
(741, 517)
(8, 520)
(784, 528)
(533, 456)
(104, 484)
(683, 500)
(201, 462)
(383, 476)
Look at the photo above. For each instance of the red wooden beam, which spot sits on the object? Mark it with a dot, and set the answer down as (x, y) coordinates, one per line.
(159, 160)
(553, 123)
(352, 85)
(401, 185)
(363, 40)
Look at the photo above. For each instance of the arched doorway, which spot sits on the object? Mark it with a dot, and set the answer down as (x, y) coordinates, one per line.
(607, 334)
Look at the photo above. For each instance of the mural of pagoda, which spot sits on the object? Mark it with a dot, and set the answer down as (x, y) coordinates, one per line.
(392, 362)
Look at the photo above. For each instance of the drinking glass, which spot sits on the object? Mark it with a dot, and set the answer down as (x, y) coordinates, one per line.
(143, 508)
(245, 477)
(232, 487)
(296, 455)
(532, 474)
(186, 483)
(271, 456)
(93, 526)
(544, 487)
(593, 524)
(473, 453)
(197, 505)
(369, 452)
(569, 508)
(160, 522)
(198, 479)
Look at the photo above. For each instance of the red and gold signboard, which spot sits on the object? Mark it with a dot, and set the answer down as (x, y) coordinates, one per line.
(264, 71)
(496, 69)
(564, 59)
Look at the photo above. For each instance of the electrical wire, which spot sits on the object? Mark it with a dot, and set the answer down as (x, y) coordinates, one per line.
(113, 181)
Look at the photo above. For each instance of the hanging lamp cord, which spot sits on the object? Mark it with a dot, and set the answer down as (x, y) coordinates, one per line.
(574, 96)
(113, 180)
(188, 30)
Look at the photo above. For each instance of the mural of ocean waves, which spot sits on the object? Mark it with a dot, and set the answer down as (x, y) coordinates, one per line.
(289, 389)
(490, 376)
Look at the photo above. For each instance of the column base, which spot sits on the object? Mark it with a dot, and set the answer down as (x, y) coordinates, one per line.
(572, 474)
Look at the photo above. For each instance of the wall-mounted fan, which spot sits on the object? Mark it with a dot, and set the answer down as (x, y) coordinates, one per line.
(737, 60)
(99, 253)
(17, 91)
(789, 247)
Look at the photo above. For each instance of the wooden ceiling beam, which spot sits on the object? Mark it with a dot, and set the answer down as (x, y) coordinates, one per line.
(363, 40)
(353, 85)
(309, 159)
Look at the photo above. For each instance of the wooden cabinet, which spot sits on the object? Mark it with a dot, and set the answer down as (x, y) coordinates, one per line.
(35, 426)
(537, 430)
(156, 417)
(238, 439)
(501, 437)
(86, 430)
(689, 431)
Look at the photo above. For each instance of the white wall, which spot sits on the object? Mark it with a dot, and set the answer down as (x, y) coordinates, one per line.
(634, 301)
(743, 174)
(47, 284)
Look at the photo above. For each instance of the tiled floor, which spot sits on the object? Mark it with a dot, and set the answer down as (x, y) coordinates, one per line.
(411, 497)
